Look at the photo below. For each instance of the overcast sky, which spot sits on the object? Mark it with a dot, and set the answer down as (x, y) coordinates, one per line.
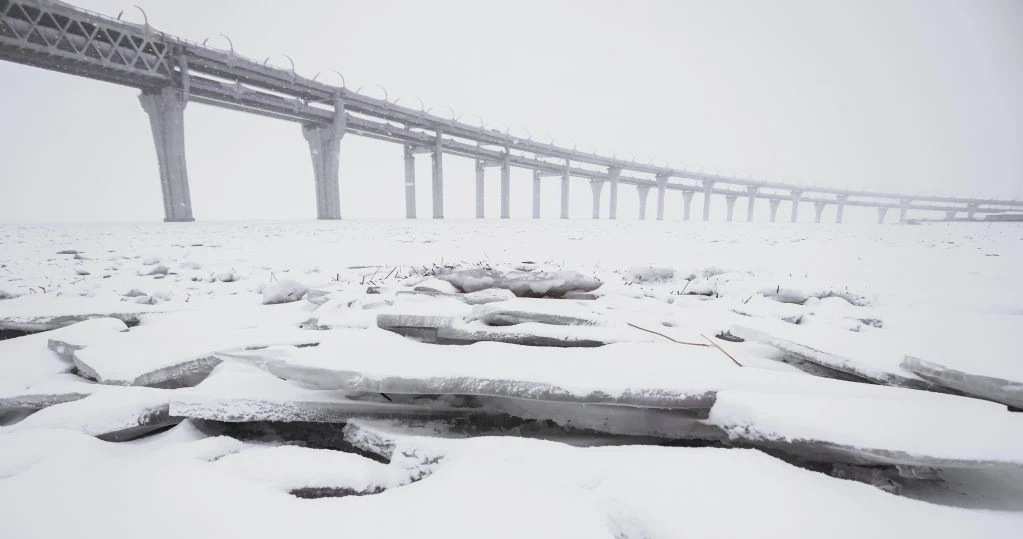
(896, 95)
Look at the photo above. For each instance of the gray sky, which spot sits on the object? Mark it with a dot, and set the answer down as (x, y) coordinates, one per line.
(897, 95)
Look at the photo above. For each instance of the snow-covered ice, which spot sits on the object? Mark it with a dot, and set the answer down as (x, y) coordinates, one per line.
(636, 332)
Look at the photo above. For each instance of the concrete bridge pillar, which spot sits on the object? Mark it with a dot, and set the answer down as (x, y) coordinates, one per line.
(796, 195)
(642, 191)
(325, 149)
(662, 186)
(564, 192)
(971, 211)
(950, 215)
(818, 208)
(775, 202)
(881, 212)
(752, 202)
(410, 182)
(166, 110)
(708, 185)
(730, 200)
(687, 203)
(438, 178)
(506, 186)
(612, 176)
(596, 186)
(481, 172)
(903, 210)
(536, 194)
(841, 208)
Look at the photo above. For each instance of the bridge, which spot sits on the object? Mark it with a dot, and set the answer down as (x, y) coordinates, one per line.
(170, 72)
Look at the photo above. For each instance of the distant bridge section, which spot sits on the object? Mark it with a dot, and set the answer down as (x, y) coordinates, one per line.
(171, 71)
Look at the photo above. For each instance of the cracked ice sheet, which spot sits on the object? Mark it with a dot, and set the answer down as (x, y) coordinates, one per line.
(237, 392)
(378, 354)
(986, 344)
(50, 311)
(27, 360)
(950, 430)
(567, 492)
(371, 360)
(116, 412)
(178, 349)
(796, 406)
(54, 390)
(865, 354)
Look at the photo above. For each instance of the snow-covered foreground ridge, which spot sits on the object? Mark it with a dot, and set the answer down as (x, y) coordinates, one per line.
(610, 379)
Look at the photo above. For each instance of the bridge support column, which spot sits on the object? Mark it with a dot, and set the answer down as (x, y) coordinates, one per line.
(881, 212)
(325, 148)
(707, 187)
(950, 215)
(596, 186)
(841, 208)
(662, 187)
(564, 192)
(971, 211)
(730, 200)
(903, 210)
(687, 203)
(775, 202)
(438, 179)
(796, 195)
(506, 187)
(818, 208)
(481, 173)
(643, 191)
(410, 183)
(752, 202)
(166, 110)
(612, 176)
(536, 194)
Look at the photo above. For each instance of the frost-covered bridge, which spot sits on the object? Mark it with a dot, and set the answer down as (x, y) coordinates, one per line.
(171, 71)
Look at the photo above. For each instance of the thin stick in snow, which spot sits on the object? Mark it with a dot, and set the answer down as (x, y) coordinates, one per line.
(665, 336)
(715, 345)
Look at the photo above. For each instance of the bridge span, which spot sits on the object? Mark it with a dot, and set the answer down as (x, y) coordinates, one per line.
(171, 71)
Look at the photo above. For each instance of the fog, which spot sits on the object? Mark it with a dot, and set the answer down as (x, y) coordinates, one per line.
(909, 96)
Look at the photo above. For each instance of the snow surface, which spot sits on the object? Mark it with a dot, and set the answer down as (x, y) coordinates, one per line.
(562, 491)
(946, 293)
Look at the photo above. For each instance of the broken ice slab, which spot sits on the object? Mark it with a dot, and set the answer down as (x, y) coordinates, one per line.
(525, 321)
(26, 360)
(544, 311)
(487, 295)
(1008, 392)
(589, 376)
(172, 355)
(973, 352)
(809, 417)
(42, 312)
(536, 334)
(848, 352)
(242, 393)
(534, 284)
(379, 437)
(877, 425)
(421, 317)
(66, 340)
(55, 390)
(113, 414)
